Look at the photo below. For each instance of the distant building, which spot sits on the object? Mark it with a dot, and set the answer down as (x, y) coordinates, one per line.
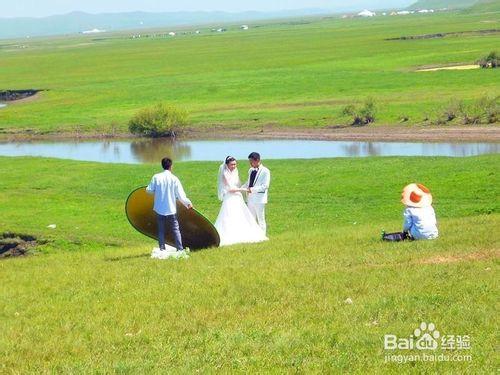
(197, 32)
(366, 13)
(244, 27)
(403, 12)
(93, 31)
(171, 33)
(221, 30)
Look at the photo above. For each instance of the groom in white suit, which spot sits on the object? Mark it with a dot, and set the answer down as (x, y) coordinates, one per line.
(257, 185)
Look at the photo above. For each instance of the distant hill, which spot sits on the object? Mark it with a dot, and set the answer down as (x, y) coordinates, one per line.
(79, 21)
(486, 6)
(440, 4)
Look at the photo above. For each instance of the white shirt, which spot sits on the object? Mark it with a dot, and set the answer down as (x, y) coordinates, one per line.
(167, 189)
(420, 222)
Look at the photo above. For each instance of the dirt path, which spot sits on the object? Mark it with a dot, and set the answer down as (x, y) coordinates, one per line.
(455, 67)
(349, 133)
(376, 133)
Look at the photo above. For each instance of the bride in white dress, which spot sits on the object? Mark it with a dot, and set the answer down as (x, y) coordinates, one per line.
(235, 223)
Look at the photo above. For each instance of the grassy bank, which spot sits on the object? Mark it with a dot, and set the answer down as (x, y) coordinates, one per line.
(92, 300)
(288, 74)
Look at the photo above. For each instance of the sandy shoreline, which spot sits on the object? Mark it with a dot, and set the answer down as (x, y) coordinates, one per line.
(453, 67)
(384, 133)
(368, 133)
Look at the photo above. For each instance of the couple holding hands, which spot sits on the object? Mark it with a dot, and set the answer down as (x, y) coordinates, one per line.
(239, 222)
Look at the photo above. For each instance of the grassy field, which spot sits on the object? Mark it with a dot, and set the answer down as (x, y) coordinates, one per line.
(91, 300)
(290, 73)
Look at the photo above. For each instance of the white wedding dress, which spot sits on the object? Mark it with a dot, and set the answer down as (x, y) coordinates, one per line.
(235, 223)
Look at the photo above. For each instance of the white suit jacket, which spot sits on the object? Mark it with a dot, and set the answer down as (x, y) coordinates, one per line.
(260, 187)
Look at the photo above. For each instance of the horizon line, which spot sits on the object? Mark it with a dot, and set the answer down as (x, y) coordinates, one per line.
(193, 11)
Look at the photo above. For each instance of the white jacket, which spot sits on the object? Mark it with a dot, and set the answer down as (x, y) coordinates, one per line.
(258, 194)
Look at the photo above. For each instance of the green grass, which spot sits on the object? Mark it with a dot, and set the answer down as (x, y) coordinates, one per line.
(92, 301)
(283, 73)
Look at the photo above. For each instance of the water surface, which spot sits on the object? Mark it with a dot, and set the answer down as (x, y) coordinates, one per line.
(151, 151)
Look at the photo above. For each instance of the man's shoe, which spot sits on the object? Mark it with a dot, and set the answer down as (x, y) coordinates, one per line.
(169, 249)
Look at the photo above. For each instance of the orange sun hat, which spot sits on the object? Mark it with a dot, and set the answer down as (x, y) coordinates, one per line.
(416, 195)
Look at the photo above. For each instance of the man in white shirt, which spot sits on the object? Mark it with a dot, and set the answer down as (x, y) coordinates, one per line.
(166, 189)
(257, 185)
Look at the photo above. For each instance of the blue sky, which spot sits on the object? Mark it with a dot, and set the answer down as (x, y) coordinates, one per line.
(41, 8)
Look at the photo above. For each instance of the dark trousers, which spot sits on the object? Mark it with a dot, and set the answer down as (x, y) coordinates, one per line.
(397, 237)
(173, 227)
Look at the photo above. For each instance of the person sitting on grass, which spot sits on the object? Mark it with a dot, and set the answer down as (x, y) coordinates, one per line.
(419, 216)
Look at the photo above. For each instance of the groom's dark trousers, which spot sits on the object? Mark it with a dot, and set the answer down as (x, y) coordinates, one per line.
(172, 223)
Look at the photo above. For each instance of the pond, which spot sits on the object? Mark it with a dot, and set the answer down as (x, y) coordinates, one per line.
(151, 151)
(3, 105)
